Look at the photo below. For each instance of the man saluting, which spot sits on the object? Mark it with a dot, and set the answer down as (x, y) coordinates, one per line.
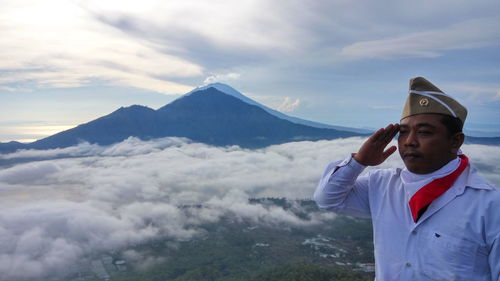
(436, 219)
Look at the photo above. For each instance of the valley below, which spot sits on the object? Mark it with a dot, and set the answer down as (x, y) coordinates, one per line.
(233, 249)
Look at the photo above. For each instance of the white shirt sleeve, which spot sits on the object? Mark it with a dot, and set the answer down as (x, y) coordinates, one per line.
(494, 259)
(340, 190)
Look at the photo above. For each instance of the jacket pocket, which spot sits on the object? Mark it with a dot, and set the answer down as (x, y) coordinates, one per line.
(445, 256)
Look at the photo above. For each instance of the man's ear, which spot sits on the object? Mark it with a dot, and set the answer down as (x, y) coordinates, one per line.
(456, 142)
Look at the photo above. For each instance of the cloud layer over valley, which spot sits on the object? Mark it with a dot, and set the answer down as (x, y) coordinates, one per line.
(93, 198)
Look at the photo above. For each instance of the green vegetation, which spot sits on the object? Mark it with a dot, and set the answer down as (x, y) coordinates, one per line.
(309, 273)
(236, 250)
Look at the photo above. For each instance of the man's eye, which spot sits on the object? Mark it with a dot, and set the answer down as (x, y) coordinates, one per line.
(402, 132)
(424, 132)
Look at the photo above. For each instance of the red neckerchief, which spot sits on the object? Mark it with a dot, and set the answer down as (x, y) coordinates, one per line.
(429, 192)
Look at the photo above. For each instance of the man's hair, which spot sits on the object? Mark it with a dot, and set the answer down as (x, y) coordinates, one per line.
(452, 124)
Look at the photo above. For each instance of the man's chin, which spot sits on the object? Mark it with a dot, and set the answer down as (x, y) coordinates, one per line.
(414, 167)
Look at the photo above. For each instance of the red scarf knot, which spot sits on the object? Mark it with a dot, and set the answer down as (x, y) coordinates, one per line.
(429, 192)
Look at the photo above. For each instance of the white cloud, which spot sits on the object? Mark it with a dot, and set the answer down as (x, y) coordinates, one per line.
(58, 44)
(288, 105)
(152, 44)
(475, 92)
(463, 35)
(221, 77)
(142, 261)
(246, 24)
(149, 45)
(53, 212)
(28, 172)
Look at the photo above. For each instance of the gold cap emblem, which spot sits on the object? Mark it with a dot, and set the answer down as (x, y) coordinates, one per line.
(424, 102)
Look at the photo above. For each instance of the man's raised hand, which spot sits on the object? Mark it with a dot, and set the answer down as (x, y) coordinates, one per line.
(372, 152)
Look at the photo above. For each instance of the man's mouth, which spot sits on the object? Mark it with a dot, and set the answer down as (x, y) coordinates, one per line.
(411, 155)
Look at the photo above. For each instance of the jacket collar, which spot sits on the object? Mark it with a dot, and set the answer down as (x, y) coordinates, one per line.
(474, 180)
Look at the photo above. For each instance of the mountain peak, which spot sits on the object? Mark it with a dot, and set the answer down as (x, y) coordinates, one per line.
(217, 85)
(132, 109)
(136, 107)
(226, 89)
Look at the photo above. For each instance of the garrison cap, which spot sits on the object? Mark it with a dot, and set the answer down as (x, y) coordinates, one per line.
(424, 97)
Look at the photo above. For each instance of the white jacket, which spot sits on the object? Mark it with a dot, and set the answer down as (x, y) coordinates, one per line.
(457, 238)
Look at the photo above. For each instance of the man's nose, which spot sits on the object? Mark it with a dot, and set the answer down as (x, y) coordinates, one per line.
(411, 139)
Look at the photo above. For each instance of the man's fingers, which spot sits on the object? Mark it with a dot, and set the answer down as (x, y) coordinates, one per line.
(386, 134)
(379, 134)
(372, 151)
(377, 142)
(390, 132)
(389, 151)
(383, 133)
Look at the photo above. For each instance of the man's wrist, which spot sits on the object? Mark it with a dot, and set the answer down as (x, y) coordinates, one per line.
(355, 162)
(355, 156)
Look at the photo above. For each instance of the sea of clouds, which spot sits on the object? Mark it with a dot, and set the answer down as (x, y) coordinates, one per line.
(94, 198)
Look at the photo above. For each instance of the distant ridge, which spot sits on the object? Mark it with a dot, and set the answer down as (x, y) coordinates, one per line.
(215, 114)
(482, 140)
(206, 115)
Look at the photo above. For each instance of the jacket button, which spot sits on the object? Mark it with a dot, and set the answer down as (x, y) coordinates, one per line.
(408, 264)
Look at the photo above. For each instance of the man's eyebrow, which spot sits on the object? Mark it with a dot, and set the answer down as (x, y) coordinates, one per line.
(419, 125)
(425, 125)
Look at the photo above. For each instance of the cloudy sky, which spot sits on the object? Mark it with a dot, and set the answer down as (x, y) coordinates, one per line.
(96, 198)
(63, 63)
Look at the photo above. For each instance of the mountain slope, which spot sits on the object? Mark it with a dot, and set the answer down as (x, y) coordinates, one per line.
(135, 120)
(208, 116)
(231, 91)
(213, 117)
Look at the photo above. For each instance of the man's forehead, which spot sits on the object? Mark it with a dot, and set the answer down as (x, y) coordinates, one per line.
(428, 119)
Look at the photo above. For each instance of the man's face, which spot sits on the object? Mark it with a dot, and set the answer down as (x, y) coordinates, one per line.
(424, 143)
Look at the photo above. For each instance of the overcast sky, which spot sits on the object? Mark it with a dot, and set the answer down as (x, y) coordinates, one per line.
(64, 63)
(54, 212)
